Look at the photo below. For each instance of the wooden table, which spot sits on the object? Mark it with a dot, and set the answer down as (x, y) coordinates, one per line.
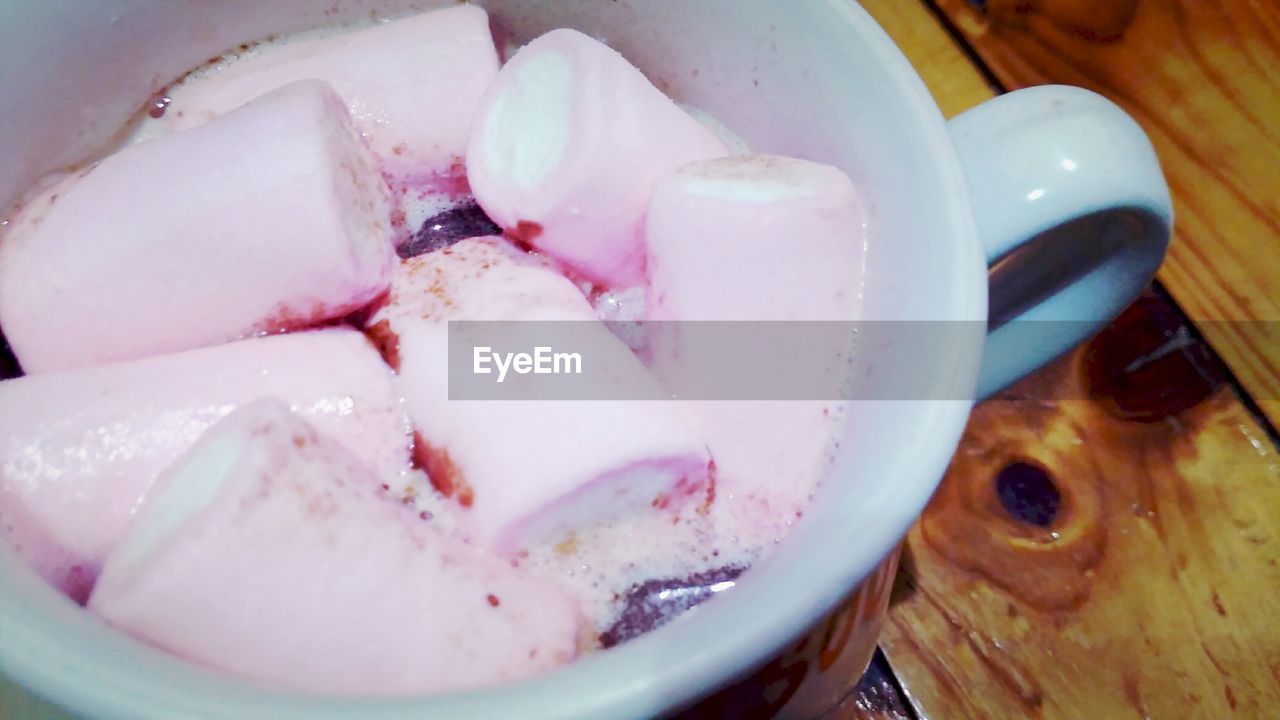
(1116, 556)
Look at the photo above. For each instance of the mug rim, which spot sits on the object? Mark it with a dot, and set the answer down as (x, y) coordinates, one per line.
(659, 671)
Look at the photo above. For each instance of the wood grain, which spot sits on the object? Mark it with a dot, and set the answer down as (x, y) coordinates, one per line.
(1203, 79)
(1152, 591)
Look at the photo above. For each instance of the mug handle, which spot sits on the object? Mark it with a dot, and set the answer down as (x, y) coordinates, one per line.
(1074, 215)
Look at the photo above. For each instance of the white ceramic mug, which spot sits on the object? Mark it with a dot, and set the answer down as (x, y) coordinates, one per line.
(811, 78)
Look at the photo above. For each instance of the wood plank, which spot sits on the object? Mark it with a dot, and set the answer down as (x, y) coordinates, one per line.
(1151, 592)
(1203, 79)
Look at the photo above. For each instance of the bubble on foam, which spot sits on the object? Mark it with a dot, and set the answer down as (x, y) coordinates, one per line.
(622, 305)
(623, 312)
(602, 565)
(419, 204)
(412, 489)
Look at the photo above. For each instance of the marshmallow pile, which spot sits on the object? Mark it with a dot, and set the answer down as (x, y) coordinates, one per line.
(235, 437)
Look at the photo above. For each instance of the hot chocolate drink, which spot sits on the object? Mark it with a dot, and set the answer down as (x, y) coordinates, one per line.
(236, 438)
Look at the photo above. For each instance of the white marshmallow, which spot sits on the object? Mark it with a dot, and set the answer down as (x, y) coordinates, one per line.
(533, 470)
(567, 144)
(267, 551)
(78, 449)
(756, 238)
(270, 217)
(412, 84)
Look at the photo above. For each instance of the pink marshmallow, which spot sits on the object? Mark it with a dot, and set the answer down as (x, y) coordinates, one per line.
(266, 551)
(532, 471)
(412, 85)
(756, 238)
(78, 449)
(782, 238)
(271, 217)
(566, 147)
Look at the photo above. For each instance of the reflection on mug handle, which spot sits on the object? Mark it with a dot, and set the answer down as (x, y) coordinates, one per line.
(1073, 213)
